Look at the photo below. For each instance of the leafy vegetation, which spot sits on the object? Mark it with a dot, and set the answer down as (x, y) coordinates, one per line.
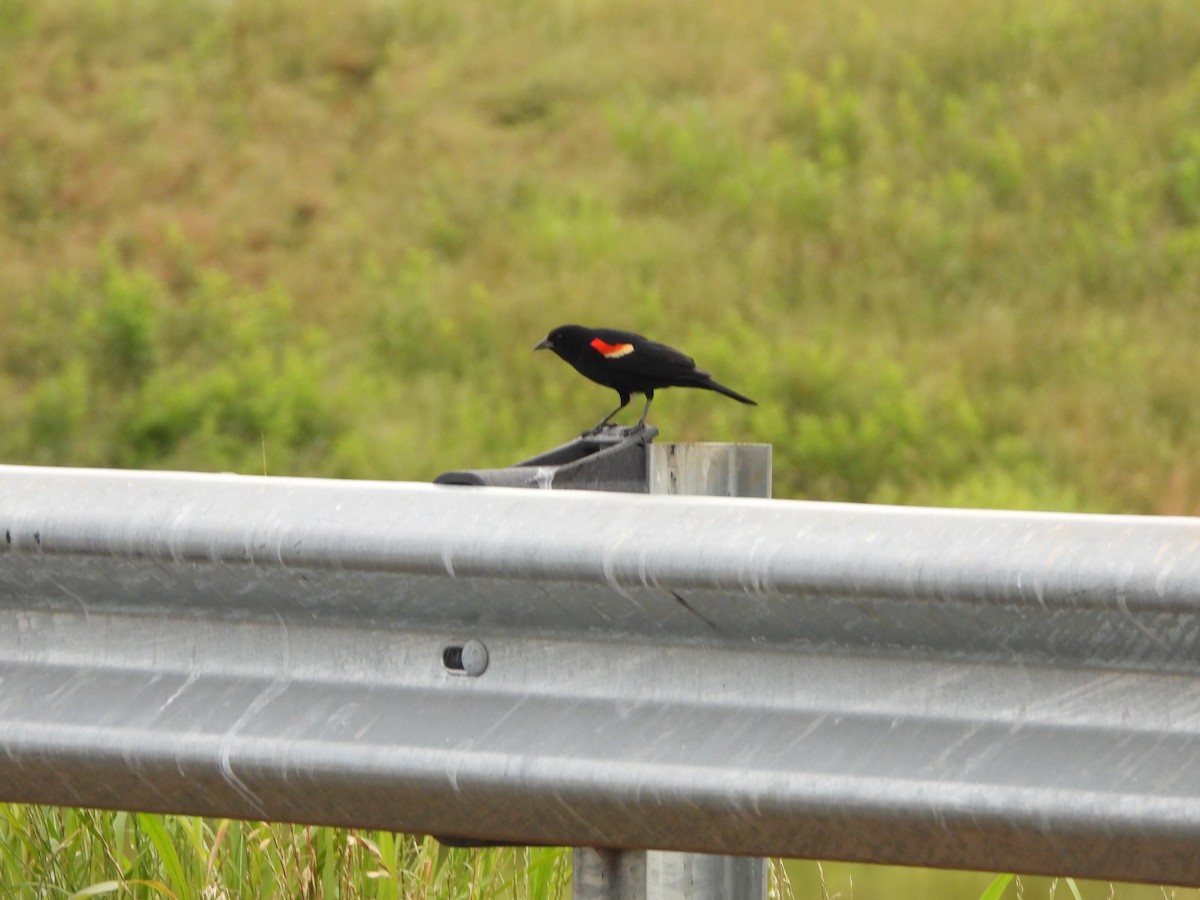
(951, 248)
(78, 853)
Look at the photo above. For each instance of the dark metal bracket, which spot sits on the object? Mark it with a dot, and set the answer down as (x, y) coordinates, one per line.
(611, 460)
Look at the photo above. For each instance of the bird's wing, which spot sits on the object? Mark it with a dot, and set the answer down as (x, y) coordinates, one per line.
(632, 353)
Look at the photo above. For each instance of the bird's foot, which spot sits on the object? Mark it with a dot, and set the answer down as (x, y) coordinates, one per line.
(614, 430)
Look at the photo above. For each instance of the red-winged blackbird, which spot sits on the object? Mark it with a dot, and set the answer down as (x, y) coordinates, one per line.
(629, 364)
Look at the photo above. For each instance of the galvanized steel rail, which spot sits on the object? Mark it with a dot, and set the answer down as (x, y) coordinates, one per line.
(992, 690)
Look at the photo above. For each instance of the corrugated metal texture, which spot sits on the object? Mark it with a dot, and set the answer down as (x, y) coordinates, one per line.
(957, 688)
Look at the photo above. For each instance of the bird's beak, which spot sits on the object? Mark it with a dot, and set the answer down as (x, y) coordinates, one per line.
(544, 344)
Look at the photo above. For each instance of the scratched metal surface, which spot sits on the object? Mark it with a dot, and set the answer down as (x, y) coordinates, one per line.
(954, 688)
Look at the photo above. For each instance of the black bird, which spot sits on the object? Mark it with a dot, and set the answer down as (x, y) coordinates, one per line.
(629, 364)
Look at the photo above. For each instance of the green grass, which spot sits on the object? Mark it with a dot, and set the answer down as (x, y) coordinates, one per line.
(844, 881)
(950, 247)
(77, 853)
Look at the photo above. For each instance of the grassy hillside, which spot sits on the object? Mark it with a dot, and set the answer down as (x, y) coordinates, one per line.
(952, 248)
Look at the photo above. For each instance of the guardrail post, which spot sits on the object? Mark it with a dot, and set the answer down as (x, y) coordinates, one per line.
(710, 470)
(608, 874)
(713, 470)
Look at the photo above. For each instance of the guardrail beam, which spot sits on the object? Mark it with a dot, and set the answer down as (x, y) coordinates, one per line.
(961, 688)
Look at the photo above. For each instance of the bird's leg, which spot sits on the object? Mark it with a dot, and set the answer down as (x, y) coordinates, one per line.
(605, 420)
(642, 421)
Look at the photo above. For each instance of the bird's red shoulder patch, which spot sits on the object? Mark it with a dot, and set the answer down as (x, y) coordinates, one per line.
(612, 351)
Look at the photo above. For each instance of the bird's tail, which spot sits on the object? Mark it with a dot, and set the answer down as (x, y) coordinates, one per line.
(707, 382)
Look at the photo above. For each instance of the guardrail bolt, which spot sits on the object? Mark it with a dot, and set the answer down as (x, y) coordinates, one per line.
(470, 658)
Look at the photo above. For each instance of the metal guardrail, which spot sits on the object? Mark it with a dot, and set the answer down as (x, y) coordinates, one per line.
(993, 690)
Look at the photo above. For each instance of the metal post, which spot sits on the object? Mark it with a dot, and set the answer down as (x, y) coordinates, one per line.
(713, 470)
(698, 876)
(608, 874)
(710, 470)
